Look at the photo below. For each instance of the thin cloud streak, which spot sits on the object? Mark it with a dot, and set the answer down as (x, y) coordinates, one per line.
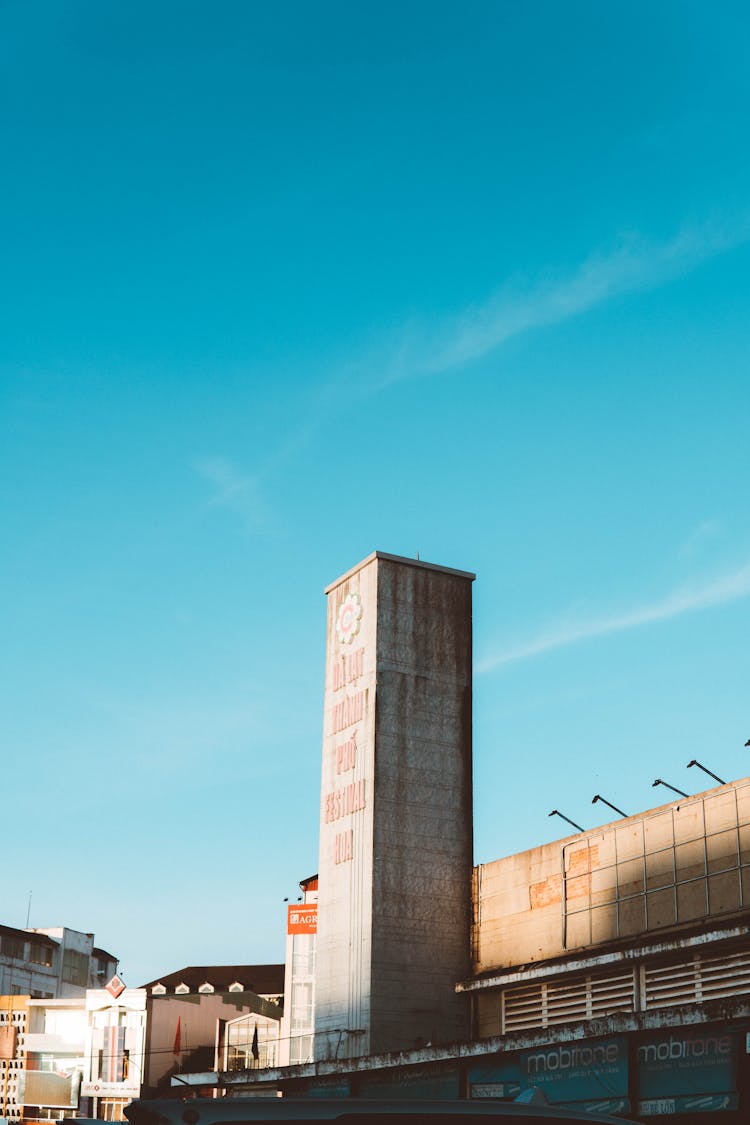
(233, 490)
(635, 264)
(687, 599)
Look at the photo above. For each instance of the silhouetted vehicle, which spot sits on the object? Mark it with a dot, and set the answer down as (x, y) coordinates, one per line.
(351, 1111)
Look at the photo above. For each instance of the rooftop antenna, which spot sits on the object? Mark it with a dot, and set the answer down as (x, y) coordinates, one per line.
(28, 911)
(556, 812)
(668, 786)
(604, 801)
(709, 772)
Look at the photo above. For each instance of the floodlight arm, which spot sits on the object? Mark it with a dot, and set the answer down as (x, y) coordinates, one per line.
(695, 762)
(668, 786)
(604, 801)
(556, 812)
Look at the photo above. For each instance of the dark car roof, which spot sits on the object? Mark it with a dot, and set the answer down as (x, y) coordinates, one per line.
(223, 1111)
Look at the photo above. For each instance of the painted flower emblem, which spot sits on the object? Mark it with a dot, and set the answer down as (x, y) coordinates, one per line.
(348, 617)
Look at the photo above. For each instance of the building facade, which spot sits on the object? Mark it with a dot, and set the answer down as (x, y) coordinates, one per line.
(298, 1020)
(396, 811)
(611, 971)
(51, 963)
(90, 1055)
(608, 970)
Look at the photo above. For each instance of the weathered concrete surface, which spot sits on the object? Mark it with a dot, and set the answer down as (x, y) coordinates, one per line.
(670, 867)
(423, 805)
(396, 849)
(723, 1011)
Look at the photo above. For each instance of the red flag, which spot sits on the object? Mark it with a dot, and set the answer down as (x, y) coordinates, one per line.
(176, 1048)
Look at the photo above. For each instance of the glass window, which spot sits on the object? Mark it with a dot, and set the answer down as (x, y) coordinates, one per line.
(12, 946)
(75, 968)
(40, 953)
(303, 955)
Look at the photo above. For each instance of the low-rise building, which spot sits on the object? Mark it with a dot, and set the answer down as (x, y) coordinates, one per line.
(14, 1016)
(47, 963)
(54, 1060)
(90, 1055)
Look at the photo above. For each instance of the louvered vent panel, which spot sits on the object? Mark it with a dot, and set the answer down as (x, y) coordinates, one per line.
(709, 978)
(670, 985)
(724, 976)
(523, 1008)
(613, 994)
(566, 1003)
(557, 1002)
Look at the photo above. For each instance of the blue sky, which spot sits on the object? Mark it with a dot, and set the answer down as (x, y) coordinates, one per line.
(285, 284)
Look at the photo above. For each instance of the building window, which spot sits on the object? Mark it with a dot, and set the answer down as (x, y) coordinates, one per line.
(181, 990)
(40, 953)
(111, 1108)
(75, 969)
(11, 946)
(159, 990)
(206, 987)
(302, 1007)
(303, 955)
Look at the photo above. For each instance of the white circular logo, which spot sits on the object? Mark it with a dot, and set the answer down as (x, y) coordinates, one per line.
(348, 617)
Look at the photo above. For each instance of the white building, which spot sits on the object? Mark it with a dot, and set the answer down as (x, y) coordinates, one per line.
(51, 963)
(298, 1021)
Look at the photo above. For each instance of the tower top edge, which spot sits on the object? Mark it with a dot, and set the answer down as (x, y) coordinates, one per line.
(404, 561)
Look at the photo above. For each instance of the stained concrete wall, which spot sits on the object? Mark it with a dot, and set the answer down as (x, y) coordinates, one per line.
(671, 866)
(343, 968)
(395, 850)
(423, 803)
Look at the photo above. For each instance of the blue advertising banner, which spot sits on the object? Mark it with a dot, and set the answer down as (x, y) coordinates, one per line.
(686, 1070)
(497, 1078)
(592, 1071)
(439, 1083)
(577, 1072)
(326, 1088)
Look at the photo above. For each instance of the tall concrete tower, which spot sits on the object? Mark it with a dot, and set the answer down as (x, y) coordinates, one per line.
(396, 809)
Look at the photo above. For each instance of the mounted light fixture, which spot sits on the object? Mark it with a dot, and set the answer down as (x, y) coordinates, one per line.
(710, 774)
(668, 786)
(604, 801)
(556, 812)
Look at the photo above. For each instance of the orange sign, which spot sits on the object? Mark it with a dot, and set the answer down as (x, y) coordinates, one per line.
(302, 919)
(114, 987)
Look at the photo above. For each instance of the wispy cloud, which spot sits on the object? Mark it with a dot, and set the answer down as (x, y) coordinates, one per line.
(686, 599)
(236, 491)
(700, 537)
(521, 305)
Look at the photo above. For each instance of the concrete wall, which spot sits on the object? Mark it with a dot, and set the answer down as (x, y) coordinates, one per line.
(343, 955)
(671, 866)
(396, 812)
(423, 806)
